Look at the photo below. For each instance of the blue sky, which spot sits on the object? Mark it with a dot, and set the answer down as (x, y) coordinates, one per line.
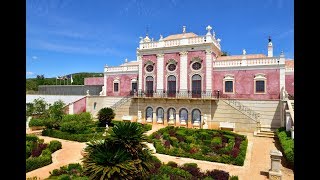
(70, 36)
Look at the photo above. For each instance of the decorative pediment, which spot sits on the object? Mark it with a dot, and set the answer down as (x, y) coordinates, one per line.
(172, 61)
(260, 76)
(148, 62)
(228, 77)
(196, 59)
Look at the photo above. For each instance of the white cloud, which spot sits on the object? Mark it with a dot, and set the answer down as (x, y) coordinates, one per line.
(29, 73)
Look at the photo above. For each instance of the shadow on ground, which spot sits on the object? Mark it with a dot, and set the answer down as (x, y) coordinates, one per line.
(284, 162)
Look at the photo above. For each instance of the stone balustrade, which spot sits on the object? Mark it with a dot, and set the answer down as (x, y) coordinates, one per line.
(247, 62)
(121, 69)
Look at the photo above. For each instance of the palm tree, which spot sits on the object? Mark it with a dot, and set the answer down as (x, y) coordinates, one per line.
(122, 155)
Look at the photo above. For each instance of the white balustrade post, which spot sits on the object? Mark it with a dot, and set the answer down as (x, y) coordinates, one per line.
(275, 172)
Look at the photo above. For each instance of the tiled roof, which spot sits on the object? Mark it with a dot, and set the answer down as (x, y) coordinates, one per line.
(289, 63)
(179, 36)
(248, 56)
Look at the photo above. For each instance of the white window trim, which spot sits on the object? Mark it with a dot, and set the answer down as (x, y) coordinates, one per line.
(116, 81)
(194, 69)
(260, 77)
(228, 77)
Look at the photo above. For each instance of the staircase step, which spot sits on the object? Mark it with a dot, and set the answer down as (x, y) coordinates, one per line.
(264, 134)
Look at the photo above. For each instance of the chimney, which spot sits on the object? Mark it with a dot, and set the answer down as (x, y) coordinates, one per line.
(270, 48)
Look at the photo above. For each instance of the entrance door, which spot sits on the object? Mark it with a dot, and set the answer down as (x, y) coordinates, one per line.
(149, 86)
(171, 86)
(196, 86)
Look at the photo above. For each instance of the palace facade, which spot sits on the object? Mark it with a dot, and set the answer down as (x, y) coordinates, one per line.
(186, 80)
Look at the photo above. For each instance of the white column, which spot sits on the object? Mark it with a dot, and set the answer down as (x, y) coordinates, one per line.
(288, 121)
(104, 90)
(140, 73)
(71, 108)
(208, 70)
(183, 71)
(160, 65)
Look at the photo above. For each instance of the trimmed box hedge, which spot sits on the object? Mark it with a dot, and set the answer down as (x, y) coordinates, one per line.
(287, 144)
(72, 137)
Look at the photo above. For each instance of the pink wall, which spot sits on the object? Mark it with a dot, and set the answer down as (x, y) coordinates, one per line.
(79, 106)
(201, 55)
(124, 86)
(152, 58)
(176, 57)
(93, 81)
(244, 83)
(289, 78)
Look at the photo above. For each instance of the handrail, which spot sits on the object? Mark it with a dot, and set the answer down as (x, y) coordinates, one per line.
(121, 101)
(290, 108)
(243, 109)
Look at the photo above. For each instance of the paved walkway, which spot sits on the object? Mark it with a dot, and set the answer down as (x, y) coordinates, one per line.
(70, 153)
(256, 166)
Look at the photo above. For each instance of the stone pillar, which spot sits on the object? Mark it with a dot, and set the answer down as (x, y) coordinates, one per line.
(292, 132)
(160, 66)
(140, 73)
(208, 71)
(177, 120)
(288, 121)
(154, 118)
(274, 172)
(183, 89)
(205, 122)
(139, 120)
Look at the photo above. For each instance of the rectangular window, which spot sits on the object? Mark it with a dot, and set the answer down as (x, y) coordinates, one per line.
(228, 86)
(116, 87)
(260, 87)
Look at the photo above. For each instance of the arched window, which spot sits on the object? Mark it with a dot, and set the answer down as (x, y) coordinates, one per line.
(171, 86)
(160, 115)
(149, 86)
(149, 114)
(183, 116)
(171, 116)
(196, 116)
(196, 86)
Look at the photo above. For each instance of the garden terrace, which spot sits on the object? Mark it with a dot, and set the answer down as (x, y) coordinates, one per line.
(202, 144)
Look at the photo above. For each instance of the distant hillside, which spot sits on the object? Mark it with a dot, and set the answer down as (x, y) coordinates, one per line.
(78, 79)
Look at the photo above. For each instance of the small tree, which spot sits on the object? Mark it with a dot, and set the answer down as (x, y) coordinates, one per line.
(56, 110)
(105, 116)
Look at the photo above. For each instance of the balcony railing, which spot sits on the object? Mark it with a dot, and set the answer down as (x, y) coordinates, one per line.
(177, 94)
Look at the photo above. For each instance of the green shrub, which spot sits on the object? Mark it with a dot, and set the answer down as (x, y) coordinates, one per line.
(175, 173)
(33, 163)
(287, 144)
(105, 116)
(190, 139)
(73, 127)
(194, 165)
(31, 137)
(172, 164)
(51, 123)
(234, 178)
(174, 141)
(36, 122)
(28, 151)
(72, 137)
(203, 135)
(54, 145)
(166, 136)
(239, 160)
(216, 141)
(64, 177)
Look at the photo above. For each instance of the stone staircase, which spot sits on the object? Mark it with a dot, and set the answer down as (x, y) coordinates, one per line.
(265, 131)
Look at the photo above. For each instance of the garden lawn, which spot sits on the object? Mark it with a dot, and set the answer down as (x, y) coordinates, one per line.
(202, 144)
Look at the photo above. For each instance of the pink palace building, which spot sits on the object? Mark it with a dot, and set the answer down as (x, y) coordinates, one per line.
(186, 80)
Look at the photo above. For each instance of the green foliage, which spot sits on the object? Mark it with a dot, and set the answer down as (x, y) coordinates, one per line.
(56, 110)
(54, 145)
(30, 109)
(105, 116)
(120, 155)
(194, 165)
(72, 137)
(31, 137)
(216, 141)
(287, 144)
(172, 164)
(73, 127)
(36, 122)
(239, 160)
(234, 178)
(174, 141)
(83, 117)
(175, 173)
(33, 163)
(37, 108)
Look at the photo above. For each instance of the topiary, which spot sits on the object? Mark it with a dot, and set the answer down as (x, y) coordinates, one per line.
(105, 116)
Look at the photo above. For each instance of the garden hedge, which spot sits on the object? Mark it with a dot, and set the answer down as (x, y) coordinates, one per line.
(72, 137)
(287, 144)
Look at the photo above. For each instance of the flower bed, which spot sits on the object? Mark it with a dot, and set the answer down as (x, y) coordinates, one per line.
(202, 144)
(38, 153)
